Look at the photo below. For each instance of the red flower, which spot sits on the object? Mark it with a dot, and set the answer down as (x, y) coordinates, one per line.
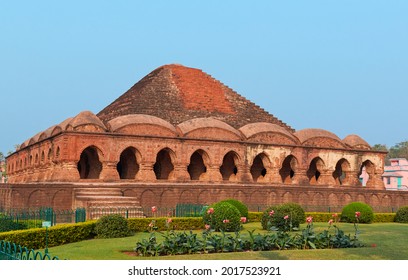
(243, 220)
(169, 220)
(358, 214)
(309, 219)
(272, 213)
(207, 227)
(286, 217)
(154, 209)
(226, 221)
(335, 215)
(210, 211)
(330, 222)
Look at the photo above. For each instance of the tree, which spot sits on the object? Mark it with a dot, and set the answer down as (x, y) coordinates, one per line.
(400, 150)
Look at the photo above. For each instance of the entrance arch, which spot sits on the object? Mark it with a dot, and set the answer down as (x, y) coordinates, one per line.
(163, 167)
(288, 170)
(89, 165)
(340, 173)
(197, 167)
(128, 166)
(229, 167)
(315, 170)
(258, 170)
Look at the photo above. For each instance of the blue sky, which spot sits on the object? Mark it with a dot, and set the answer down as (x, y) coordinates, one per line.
(336, 65)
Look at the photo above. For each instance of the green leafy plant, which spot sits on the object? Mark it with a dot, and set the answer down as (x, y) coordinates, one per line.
(222, 216)
(112, 226)
(402, 215)
(284, 217)
(348, 213)
(242, 208)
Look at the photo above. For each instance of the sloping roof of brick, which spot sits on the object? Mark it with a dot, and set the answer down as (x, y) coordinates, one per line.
(177, 94)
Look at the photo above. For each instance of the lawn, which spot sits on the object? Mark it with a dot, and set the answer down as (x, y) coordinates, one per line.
(384, 241)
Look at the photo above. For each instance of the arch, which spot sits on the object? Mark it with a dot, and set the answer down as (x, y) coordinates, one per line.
(36, 159)
(288, 170)
(58, 153)
(163, 168)
(229, 167)
(367, 170)
(258, 169)
(89, 165)
(315, 170)
(42, 156)
(128, 166)
(49, 156)
(340, 173)
(197, 167)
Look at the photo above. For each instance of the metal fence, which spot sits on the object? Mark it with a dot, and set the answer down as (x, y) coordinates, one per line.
(12, 251)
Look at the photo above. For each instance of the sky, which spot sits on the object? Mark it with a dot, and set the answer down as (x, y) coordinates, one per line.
(341, 66)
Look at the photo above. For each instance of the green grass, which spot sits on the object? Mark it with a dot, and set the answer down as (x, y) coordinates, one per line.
(384, 241)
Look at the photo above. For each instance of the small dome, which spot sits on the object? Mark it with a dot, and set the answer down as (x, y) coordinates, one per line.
(356, 142)
(253, 129)
(118, 123)
(309, 133)
(85, 119)
(189, 126)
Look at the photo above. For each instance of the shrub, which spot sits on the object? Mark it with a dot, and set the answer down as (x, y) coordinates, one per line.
(225, 217)
(348, 214)
(402, 215)
(7, 224)
(255, 216)
(274, 217)
(112, 226)
(142, 224)
(384, 217)
(57, 235)
(242, 208)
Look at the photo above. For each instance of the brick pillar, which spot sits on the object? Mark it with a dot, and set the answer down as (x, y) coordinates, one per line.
(326, 178)
(273, 175)
(244, 173)
(375, 181)
(180, 173)
(109, 172)
(300, 177)
(214, 173)
(146, 172)
(351, 179)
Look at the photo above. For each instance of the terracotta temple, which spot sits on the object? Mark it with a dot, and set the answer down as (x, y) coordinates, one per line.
(181, 136)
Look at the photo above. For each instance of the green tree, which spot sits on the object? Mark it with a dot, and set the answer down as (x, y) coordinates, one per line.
(400, 150)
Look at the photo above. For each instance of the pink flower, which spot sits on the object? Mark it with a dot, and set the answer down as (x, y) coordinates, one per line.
(331, 222)
(358, 214)
(286, 217)
(207, 227)
(309, 219)
(169, 220)
(210, 211)
(271, 213)
(226, 221)
(151, 224)
(154, 209)
(335, 215)
(243, 220)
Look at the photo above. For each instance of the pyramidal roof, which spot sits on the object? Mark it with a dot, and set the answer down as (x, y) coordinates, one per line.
(177, 93)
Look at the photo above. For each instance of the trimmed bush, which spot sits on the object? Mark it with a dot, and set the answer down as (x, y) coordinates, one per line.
(112, 226)
(57, 235)
(242, 208)
(225, 217)
(295, 213)
(348, 214)
(402, 215)
(254, 216)
(7, 224)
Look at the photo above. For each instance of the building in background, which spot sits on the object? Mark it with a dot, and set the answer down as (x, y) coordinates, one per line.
(2, 170)
(396, 175)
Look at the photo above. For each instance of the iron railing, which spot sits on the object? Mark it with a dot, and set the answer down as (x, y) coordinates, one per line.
(12, 251)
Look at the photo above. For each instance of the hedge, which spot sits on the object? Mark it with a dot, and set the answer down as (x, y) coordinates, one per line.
(142, 224)
(57, 235)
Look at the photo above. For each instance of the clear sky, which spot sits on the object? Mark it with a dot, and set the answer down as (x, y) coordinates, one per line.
(335, 65)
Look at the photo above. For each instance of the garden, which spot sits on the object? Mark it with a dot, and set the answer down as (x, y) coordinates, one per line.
(227, 230)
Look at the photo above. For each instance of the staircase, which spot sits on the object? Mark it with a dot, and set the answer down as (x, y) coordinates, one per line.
(100, 201)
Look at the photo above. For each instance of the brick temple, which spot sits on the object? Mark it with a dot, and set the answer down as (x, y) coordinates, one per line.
(181, 136)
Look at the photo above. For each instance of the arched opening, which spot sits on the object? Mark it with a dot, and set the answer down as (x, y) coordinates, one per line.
(315, 170)
(229, 168)
(42, 157)
(89, 166)
(197, 167)
(127, 166)
(163, 166)
(49, 154)
(258, 170)
(366, 170)
(339, 174)
(288, 170)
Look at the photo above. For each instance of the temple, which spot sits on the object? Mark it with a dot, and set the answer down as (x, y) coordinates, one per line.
(181, 136)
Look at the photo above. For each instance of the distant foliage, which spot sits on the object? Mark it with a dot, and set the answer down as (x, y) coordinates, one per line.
(348, 214)
(402, 215)
(112, 226)
(7, 224)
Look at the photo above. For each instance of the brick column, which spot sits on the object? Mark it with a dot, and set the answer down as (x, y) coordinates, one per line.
(146, 172)
(180, 173)
(109, 172)
(214, 173)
